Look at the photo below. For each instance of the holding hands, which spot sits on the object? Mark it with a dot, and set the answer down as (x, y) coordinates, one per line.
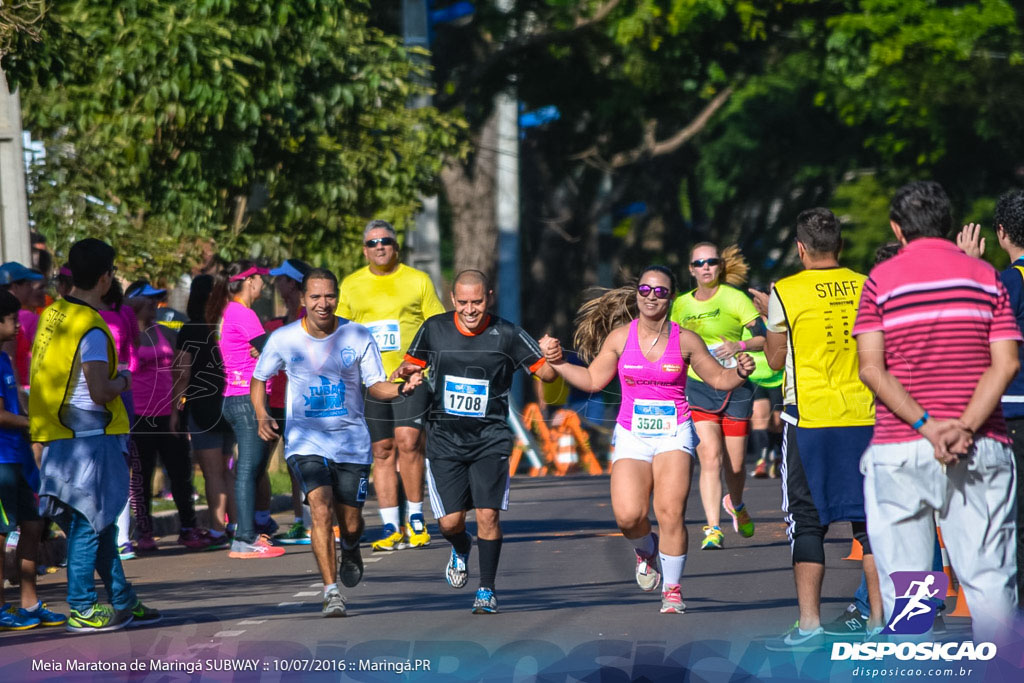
(744, 365)
(552, 349)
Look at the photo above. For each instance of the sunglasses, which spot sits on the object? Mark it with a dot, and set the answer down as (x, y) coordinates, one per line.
(659, 292)
(386, 241)
(705, 261)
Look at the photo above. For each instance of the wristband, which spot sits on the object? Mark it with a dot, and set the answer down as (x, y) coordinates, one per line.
(743, 346)
(920, 423)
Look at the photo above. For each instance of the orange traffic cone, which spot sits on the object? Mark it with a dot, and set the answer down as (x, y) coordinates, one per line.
(856, 551)
(961, 609)
(947, 569)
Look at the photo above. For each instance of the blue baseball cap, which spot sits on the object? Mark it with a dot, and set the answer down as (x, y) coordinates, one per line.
(144, 289)
(12, 272)
(293, 268)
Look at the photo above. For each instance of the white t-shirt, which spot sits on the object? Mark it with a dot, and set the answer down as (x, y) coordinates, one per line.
(776, 322)
(324, 405)
(92, 348)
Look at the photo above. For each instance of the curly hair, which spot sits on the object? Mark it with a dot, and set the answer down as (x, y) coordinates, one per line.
(1010, 215)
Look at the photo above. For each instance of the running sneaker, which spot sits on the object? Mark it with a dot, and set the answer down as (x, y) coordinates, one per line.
(647, 575)
(773, 468)
(142, 615)
(43, 614)
(297, 534)
(146, 544)
(457, 571)
(98, 618)
(13, 619)
(741, 522)
(672, 600)
(849, 623)
(126, 551)
(334, 605)
(392, 539)
(713, 538)
(485, 602)
(416, 532)
(351, 567)
(195, 539)
(268, 529)
(258, 549)
(218, 542)
(796, 641)
(760, 469)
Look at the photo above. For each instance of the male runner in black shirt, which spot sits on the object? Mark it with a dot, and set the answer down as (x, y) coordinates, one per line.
(472, 357)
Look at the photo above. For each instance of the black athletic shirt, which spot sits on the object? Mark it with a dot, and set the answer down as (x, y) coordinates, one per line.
(470, 378)
(206, 383)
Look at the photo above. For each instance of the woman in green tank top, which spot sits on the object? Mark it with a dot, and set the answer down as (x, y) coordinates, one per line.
(720, 313)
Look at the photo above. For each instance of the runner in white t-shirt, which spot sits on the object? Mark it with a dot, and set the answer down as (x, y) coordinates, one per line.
(328, 360)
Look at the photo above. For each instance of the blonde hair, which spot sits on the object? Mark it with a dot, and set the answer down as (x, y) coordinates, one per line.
(596, 318)
(735, 268)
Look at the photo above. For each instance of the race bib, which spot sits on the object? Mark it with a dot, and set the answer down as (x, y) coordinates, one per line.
(653, 418)
(465, 397)
(387, 334)
(724, 362)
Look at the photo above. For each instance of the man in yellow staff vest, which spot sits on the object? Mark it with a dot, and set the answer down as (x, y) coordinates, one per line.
(75, 410)
(392, 300)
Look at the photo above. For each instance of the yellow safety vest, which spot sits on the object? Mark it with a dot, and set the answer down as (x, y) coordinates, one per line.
(55, 368)
(821, 308)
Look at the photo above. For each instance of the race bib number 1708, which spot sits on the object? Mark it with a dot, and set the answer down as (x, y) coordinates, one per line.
(464, 396)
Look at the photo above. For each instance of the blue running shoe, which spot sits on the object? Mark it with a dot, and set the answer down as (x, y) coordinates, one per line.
(485, 602)
(457, 571)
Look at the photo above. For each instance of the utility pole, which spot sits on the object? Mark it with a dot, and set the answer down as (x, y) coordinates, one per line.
(15, 242)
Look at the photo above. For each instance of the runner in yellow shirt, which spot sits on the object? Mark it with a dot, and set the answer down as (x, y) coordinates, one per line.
(719, 313)
(392, 300)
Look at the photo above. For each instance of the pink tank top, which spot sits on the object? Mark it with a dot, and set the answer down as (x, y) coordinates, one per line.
(653, 392)
(152, 381)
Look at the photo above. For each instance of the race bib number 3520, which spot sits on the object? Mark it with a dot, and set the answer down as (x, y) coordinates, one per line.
(654, 418)
(464, 396)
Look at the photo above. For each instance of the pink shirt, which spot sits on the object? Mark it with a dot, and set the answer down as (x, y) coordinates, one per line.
(153, 379)
(125, 330)
(662, 380)
(939, 310)
(29, 323)
(239, 325)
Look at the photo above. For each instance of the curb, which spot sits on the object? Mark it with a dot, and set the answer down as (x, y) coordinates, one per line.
(168, 523)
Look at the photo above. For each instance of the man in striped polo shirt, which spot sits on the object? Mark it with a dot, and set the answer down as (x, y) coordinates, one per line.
(937, 343)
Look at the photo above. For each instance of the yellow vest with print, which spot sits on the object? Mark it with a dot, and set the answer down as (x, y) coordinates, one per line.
(821, 308)
(56, 365)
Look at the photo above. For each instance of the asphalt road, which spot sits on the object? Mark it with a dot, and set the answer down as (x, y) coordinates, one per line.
(570, 609)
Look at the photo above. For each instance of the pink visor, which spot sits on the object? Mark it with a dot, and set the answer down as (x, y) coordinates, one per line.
(249, 273)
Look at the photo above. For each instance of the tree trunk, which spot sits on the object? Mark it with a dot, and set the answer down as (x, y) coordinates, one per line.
(470, 188)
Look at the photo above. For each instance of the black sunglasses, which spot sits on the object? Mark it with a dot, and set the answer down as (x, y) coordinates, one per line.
(659, 292)
(702, 261)
(386, 241)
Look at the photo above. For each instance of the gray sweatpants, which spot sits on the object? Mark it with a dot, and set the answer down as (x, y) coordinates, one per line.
(976, 506)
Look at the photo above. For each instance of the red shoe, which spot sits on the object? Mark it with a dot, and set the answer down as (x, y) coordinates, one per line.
(195, 539)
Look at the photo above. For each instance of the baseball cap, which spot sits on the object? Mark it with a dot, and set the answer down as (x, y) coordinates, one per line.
(12, 272)
(143, 289)
(293, 268)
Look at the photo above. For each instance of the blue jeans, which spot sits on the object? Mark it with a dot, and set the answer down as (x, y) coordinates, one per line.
(253, 456)
(90, 552)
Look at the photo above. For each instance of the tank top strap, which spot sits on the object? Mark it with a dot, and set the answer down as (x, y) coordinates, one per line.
(632, 339)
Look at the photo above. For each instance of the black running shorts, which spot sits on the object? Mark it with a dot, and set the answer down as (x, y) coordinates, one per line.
(403, 411)
(459, 485)
(348, 481)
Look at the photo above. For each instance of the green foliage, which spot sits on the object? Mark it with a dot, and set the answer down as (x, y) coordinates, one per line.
(264, 128)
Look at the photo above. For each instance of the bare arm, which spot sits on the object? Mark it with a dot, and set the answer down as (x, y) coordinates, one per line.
(993, 382)
(385, 391)
(775, 349)
(709, 369)
(545, 373)
(601, 370)
(102, 389)
(9, 420)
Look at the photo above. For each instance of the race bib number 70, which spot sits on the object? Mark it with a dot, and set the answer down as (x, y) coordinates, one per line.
(387, 334)
(464, 396)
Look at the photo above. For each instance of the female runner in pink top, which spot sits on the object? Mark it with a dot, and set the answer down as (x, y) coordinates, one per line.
(654, 437)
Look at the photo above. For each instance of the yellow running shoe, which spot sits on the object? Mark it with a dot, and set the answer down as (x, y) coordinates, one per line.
(390, 540)
(416, 532)
(713, 538)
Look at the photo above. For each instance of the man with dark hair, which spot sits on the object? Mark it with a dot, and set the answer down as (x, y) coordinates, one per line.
(938, 346)
(326, 442)
(472, 357)
(75, 410)
(828, 419)
(392, 300)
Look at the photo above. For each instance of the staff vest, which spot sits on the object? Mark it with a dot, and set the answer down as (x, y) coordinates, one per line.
(56, 366)
(821, 308)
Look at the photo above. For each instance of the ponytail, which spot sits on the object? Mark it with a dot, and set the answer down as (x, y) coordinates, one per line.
(224, 289)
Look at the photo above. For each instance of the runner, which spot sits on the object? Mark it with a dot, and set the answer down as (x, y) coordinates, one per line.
(328, 360)
(654, 436)
(718, 313)
(828, 419)
(392, 300)
(472, 357)
(766, 416)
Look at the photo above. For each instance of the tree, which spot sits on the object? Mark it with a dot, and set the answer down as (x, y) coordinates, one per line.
(268, 128)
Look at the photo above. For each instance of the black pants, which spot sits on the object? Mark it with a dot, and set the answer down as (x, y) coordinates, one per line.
(1016, 428)
(153, 437)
